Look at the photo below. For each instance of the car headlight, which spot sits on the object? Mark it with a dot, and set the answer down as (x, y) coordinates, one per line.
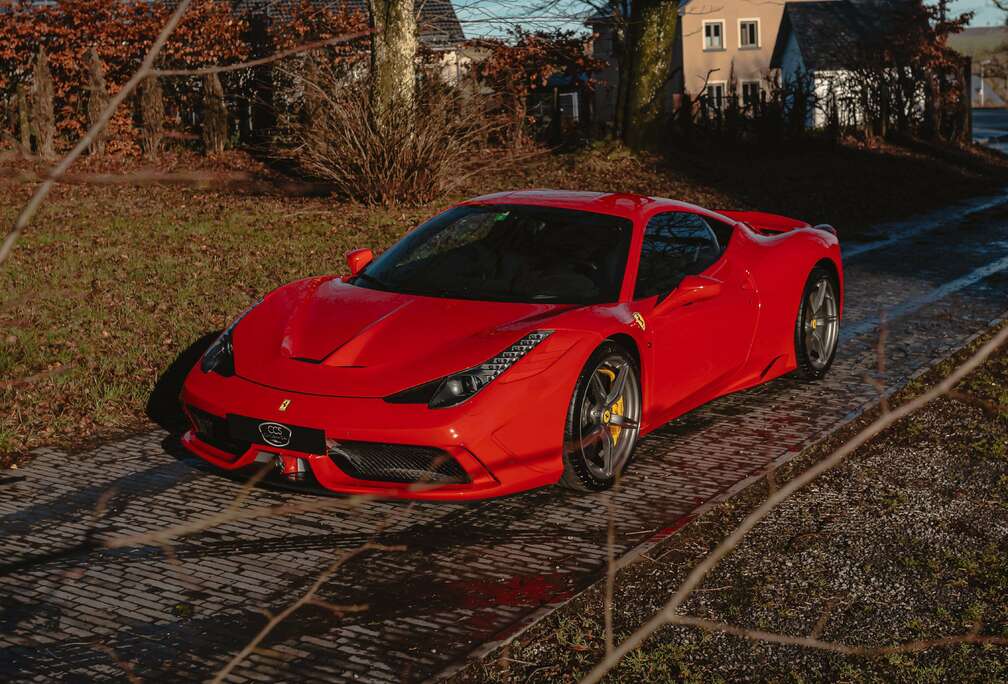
(219, 356)
(456, 388)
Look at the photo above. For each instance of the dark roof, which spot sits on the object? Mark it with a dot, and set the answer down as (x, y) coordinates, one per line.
(604, 14)
(437, 23)
(831, 34)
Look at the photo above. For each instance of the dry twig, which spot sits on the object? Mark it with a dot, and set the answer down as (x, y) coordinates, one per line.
(205, 71)
(46, 374)
(861, 651)
(669, 614)
(610, 573)
(307, 597)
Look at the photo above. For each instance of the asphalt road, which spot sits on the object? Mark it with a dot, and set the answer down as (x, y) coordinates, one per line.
(467, 575)
(990, 127)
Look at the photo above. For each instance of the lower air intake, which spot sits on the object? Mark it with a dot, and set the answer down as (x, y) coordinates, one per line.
(214, 431)
(396, 463)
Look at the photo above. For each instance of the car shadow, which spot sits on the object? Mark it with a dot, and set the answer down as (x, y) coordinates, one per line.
(163, 407)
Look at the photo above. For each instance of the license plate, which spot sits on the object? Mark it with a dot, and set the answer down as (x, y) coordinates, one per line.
(280, 435)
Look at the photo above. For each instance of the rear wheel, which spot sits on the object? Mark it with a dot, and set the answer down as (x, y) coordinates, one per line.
(603, 420)
(817, 329)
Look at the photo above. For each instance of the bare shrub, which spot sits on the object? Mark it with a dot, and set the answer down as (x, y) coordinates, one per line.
(311, 102)
(97, 99)
(409, 154)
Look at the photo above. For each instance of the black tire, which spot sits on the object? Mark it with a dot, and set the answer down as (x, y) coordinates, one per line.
(584, 466)
(813, 362)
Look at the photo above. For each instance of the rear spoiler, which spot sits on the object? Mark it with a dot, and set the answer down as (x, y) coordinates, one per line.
(773, 224)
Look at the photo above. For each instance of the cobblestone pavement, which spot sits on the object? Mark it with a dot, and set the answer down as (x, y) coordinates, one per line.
(468, 574)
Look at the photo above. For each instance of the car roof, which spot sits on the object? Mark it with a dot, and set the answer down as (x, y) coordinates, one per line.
(625, 204)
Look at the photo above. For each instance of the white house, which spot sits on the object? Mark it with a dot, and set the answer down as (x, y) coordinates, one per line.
(821, 46)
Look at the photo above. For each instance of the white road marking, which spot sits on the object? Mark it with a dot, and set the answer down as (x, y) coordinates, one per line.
(901, 230)
(909, 306)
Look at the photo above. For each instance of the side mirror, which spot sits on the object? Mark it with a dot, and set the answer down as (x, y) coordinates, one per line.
(692, 289)
(358, 259)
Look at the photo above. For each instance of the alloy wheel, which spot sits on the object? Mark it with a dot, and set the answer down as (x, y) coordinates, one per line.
(821, 325)
(609, 417)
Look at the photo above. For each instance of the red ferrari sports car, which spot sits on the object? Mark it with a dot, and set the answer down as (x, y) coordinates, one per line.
(516, 340)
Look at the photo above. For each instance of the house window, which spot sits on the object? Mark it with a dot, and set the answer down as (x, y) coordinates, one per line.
(751, 91)
(716, 95)
(748, 33)
(713, 35)
(568, 103)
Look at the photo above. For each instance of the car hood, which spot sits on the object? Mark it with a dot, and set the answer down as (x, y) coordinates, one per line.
(324, 336)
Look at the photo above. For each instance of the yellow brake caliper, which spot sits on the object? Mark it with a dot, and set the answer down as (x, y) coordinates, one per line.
(616, 408)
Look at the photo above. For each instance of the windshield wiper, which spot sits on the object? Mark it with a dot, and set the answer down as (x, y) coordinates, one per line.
(377, 281)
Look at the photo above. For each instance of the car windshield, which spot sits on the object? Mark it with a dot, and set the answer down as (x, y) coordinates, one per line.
(514, 253)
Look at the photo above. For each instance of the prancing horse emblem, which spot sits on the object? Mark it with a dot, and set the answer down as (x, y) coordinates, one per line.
(639, 320)
(275, 434)
(284, 404)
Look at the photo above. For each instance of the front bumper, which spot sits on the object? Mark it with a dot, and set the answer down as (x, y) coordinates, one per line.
(507, 438)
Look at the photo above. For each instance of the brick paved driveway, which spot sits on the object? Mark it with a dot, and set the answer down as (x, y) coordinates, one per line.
(470, 573)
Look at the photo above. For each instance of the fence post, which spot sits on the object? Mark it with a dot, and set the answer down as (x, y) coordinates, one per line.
(884, 110)
(556, 128)
(685, 112)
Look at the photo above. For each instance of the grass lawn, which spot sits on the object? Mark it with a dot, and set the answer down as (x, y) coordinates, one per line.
(111, 284)
(904, 541)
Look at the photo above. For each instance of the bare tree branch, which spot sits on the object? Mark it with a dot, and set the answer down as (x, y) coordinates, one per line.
(54, 372)
(307, 597)
(669, 614)
(205, 71)
(811, 642)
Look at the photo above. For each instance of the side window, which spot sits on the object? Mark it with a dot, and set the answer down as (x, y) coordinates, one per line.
(676, 244)
(722, 230)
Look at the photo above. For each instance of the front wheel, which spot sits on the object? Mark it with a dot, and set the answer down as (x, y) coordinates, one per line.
(817, 329)
(603, 420)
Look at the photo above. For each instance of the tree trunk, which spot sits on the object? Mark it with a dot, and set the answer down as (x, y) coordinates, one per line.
(24, 119)
(621, 52)
(622, 84)
(215, 116)
(393, 54)
(10, 116)
(260, 89)
(312, 103)
(520, 115)
(152, 116)
(97, 100)
(650, 40)
(44, 119)
(964, 128)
